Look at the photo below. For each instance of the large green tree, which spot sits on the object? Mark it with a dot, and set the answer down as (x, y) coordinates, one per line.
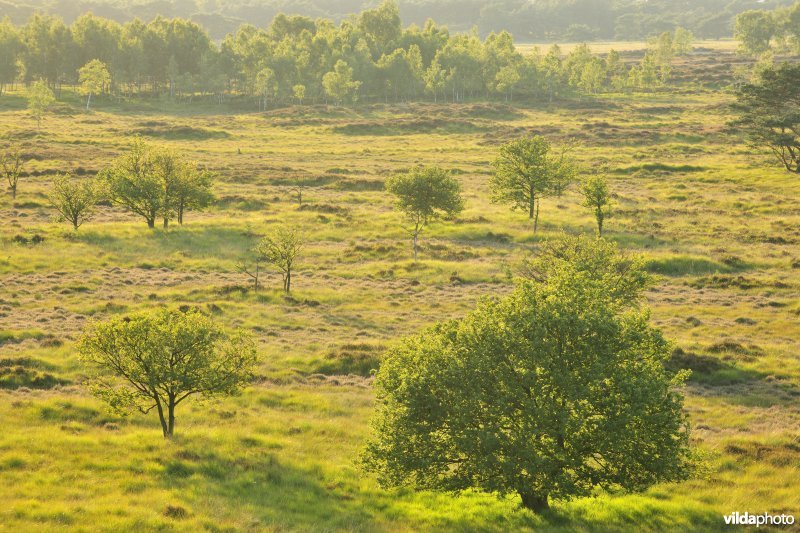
(769, 113)
(158, 359)
(529, 169)
(551, 393)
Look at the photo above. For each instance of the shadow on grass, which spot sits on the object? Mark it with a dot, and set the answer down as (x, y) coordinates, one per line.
(725, 379)
(275, 494)
(638, 240)
(13, 102)
(191, 240)
(685, 265)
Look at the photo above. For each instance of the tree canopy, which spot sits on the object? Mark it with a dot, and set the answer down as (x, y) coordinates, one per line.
(769, 113)
(156, 182)
(550, 393)
(529, 169)
(296, 59)
(157, 359)
(425, 194)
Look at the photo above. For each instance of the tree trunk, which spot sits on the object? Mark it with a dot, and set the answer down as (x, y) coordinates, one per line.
(287, 284)
(151, 223)
(180, 215)
(88, 101)
(171, 420)
(416, 236)
(536, 217)
(14, 192)
(166, 222)
(164, 427)
(535, 502)
(599, 224)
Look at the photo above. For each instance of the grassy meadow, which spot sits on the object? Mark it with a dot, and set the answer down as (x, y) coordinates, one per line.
(717, 221)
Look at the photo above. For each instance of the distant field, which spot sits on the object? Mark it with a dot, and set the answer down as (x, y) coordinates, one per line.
(717, 222)
(603, 47)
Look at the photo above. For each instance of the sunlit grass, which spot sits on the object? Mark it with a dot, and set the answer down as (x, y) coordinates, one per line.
(716, 222)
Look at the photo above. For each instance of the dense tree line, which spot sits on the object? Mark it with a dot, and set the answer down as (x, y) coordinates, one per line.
(299, 60)
(542, 20)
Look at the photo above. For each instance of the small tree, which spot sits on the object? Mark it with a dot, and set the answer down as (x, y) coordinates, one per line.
(339, 83)
(11, 164)
(193, 191)
(266, 87)
(298, 191)
(754, 30)
(299, 93)
(74, 201)
(527, 170)
(134, 182)
(682, 42)
(94, 78)
(281, 250)
(157, 359)
(40, 98)
(186, 187)
(596, 197)
(553, 392)
(423, 195)
(768, 113)
(154, 183)
(249, 264)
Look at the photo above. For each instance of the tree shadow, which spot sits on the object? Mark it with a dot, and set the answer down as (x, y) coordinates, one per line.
(725, 379)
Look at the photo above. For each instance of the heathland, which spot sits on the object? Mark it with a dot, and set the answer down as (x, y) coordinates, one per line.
(717, 221)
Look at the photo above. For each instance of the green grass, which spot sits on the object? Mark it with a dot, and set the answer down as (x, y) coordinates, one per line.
(715, 221)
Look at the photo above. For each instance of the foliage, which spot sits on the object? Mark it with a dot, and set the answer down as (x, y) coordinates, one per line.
(768, 113)
(425, 194)
(157, 359)
(280, 250)
(624, 275)
(368, 57)
(11, 164)
(754, 30)
(40, 98)
(94, 78)
(597, 198)
(339, 84)
(156, 182)
(527, 170)
(550, 393)
(10, 48)
(75, 201)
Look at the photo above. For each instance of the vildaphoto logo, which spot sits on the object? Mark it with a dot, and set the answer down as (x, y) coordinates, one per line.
(766, 519)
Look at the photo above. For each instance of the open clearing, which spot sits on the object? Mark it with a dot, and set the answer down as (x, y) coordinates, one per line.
(718, 222)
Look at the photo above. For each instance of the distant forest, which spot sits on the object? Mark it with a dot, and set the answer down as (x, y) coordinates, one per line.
(526, 20)
(296, 60)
